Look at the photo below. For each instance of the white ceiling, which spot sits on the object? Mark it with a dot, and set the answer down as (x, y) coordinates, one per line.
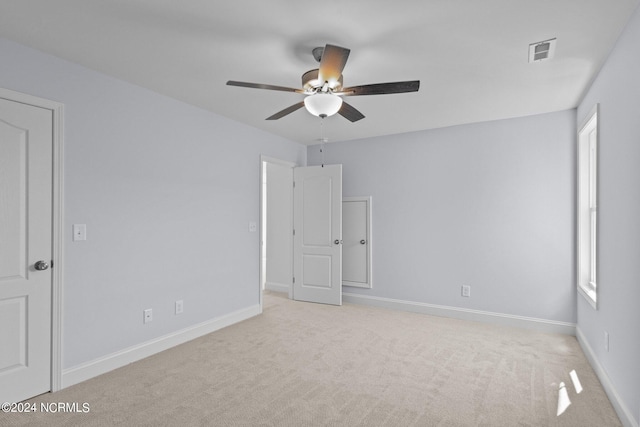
(470, 55)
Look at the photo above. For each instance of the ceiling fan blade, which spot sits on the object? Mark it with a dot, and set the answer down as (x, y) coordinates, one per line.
(286, 111)
(263, 86)
(382, 88)
(334, 58)
(350, 113)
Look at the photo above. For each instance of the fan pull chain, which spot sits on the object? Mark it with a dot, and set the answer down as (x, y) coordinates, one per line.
(322, 139)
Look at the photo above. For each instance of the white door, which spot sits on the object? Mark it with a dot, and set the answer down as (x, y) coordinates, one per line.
(26, 150)
(317, 242)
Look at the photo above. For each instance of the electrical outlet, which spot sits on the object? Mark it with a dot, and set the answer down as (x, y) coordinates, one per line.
(466, 290)
(179, 307)
(148, 315)
(606, 340)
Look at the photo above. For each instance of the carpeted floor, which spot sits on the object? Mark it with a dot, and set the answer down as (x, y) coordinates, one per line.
(301, 364)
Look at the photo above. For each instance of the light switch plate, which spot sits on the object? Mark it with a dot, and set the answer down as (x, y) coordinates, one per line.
(79, 232)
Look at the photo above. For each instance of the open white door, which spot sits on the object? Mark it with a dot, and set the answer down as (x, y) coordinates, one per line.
(317, 241)
(25, 250)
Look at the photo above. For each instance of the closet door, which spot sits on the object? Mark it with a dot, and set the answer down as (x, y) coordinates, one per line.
(356, 248)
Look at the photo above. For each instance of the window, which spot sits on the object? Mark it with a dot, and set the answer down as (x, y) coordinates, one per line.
(588, 208)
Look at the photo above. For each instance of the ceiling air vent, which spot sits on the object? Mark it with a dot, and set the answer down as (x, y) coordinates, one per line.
(541, 51)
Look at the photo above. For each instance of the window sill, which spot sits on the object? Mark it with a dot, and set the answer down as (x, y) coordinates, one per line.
(590, 296)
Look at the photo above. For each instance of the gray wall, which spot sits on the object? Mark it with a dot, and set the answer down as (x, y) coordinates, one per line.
(617, 90)
(488, 205)
(166, 190)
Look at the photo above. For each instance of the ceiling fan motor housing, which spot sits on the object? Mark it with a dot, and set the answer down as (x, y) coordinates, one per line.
(311, 82)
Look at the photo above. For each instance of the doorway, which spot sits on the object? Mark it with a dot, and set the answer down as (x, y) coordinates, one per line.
(301, 231)
(276, 225)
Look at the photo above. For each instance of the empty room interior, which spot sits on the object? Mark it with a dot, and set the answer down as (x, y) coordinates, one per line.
(173, 192)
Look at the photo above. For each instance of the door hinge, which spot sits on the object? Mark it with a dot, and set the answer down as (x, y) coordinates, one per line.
(294, 184)
(294, 231)
(294, 280)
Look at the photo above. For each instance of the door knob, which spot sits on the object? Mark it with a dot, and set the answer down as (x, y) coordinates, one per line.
(337, 242)
(362, 242)
(41, 265)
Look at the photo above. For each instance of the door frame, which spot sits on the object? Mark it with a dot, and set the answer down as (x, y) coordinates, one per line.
(266, 159)
(57, 251)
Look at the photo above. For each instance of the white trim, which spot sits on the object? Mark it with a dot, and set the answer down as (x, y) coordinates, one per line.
(262, 276)
(57, 248)
(586, 228)
(540, 325)
(129, 355)
(268, 159)
(277, 287)
(625, 415)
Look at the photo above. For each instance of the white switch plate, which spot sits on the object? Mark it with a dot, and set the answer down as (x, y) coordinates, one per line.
(253, 227)
(148, 315)
(179, 307)
(466, 290)
(79, 232)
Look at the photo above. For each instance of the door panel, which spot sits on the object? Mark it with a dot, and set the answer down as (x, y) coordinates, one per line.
(13, 311)
(318, 226)
(13, 170)
(316, 270)
(316, 209)
(26, 146)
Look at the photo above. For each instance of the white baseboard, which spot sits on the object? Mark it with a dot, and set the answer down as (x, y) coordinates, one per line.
(277, 287)
(129, 355)
(541, 325)
(625, 415)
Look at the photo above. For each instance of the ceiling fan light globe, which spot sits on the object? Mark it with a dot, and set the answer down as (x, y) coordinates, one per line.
(323, 104)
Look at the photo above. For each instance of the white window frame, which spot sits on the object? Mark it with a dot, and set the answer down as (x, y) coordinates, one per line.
(587, 208)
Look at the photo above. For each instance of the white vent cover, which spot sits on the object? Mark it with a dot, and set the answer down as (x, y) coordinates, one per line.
(541, 51)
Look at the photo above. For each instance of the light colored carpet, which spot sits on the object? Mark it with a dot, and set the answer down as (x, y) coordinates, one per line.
(301, 364)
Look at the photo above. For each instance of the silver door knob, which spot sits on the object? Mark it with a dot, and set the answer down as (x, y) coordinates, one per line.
(41, 265)
(362, 242)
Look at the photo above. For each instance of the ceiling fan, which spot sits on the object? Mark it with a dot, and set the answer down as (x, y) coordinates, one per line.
(323, 87)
